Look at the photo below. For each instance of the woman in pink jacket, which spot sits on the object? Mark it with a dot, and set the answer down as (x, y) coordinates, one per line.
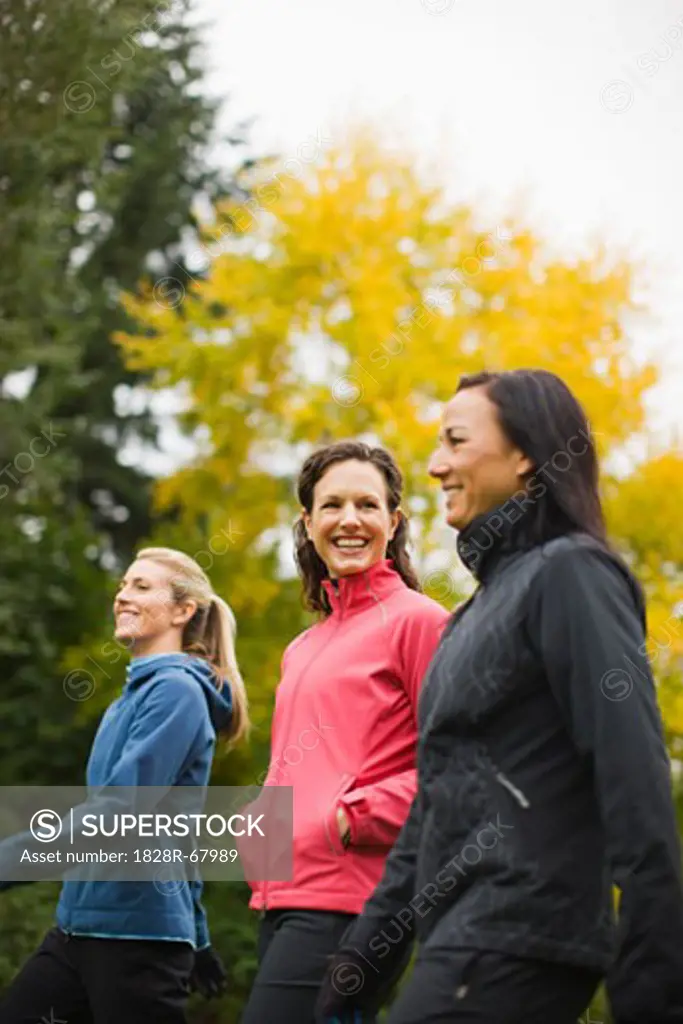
(344, 727)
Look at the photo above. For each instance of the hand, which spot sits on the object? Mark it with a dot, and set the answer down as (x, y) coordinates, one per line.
(344, 826)
(356, 981)
(341, 992)
(208, 976)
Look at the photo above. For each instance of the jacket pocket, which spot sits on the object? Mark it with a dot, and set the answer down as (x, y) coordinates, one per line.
(330, 823)
(465, 966)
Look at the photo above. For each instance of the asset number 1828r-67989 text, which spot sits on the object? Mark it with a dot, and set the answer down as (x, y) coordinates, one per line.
(177, 856)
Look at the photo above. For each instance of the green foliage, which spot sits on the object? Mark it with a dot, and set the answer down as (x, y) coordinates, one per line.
(103, 141)
(104, 133)
(42, 609)
(26, 913)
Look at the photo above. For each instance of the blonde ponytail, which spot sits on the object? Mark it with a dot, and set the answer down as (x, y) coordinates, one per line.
(219, 640)
(211, 631)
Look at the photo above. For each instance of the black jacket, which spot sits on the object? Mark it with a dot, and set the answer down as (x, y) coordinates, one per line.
(543, 779)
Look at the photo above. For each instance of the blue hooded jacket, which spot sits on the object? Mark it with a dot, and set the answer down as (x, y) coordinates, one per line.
(161, 731)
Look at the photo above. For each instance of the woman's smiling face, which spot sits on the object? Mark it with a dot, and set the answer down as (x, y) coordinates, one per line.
(350, 524)
(146, 612)
(477, 465)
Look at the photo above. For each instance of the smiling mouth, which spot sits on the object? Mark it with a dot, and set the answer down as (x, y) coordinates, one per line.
(350, 544)
(126, 619)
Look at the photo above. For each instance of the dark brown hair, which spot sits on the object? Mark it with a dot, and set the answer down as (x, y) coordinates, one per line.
(540, 415)
(311, 567)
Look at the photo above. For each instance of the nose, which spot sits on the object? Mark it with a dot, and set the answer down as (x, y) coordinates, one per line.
(438, 465)
(349, 515)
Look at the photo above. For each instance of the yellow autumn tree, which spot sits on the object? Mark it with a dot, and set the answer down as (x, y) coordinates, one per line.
(345, 298)
(644, 513)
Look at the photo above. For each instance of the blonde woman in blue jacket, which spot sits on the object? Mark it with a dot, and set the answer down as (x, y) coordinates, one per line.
(129, 951)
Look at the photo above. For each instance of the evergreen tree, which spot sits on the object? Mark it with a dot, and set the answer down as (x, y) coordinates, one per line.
(104, 139)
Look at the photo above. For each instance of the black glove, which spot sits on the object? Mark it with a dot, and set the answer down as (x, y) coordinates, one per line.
(361, 976)
(209, 976)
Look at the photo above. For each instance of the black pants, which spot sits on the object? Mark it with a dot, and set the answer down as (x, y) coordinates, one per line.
(473, 987)
(101, 981)
(293, 951)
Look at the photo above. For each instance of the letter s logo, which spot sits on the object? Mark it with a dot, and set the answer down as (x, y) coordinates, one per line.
(46, 826)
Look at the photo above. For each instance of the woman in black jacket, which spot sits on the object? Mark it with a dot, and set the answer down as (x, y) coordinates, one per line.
(543, 778)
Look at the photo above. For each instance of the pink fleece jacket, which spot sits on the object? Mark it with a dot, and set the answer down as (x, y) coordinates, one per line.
(344, 733)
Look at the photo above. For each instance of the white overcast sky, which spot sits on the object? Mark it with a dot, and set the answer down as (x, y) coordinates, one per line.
(574, 110)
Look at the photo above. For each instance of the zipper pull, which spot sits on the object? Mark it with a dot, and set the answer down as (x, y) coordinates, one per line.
(517, 793)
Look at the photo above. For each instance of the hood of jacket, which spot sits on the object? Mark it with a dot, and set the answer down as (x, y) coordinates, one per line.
(219, 702)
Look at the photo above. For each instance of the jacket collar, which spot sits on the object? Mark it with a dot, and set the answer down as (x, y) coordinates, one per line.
(351, 594)
(143, 668)
(492, 537)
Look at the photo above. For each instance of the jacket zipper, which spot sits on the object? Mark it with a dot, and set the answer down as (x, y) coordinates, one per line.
(301, 675)
(377, 600)
(517, 793)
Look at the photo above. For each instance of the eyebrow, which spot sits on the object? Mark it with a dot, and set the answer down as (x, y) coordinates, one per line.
(452, 428)
(362, 497)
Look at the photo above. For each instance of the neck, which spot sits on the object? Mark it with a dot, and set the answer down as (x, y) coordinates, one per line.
(156, 645)
(491, 536)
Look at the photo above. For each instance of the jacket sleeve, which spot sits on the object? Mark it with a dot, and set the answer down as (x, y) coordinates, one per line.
(390, 904)
(161, 736)
(592, 642)
(416, 642)
(377, 812)
(166, 725)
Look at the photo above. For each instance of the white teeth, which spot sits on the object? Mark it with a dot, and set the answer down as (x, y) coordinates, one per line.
(350, 543)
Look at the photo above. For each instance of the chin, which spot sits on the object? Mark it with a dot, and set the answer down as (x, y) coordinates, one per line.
(350, 568)
(346, 569)
(455, 522)
(458, 518)
(126, 637)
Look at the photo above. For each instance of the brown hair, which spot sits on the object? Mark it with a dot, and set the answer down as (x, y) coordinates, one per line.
(210, 633)
(541, 416)
(311, 567)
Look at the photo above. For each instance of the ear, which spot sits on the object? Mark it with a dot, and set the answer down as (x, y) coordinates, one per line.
(184, 613)
(396, 517)
(306, 520)
(525, 465)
